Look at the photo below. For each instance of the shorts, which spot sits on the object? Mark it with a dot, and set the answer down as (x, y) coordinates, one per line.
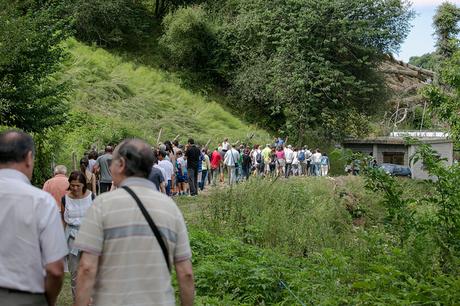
(281, 162)
(182, 178)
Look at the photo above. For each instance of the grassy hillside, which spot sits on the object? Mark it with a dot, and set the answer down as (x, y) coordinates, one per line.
(113, 99)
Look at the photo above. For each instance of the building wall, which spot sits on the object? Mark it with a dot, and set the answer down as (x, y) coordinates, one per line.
(445, 150)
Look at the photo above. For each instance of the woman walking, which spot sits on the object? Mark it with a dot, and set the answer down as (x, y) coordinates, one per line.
(76, 202)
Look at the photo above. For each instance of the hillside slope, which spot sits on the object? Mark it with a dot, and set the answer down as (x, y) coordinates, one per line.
(113, 99)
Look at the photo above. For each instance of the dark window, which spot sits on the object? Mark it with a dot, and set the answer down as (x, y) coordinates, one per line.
(393, 158)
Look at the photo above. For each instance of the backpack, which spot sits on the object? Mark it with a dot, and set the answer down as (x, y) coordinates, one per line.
(259, 157)
(301, 156)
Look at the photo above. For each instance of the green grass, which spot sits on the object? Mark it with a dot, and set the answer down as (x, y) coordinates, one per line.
(248, 239)
(113, 98)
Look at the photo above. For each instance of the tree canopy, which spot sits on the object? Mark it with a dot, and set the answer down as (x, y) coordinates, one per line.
(30, 52)
(297, 64)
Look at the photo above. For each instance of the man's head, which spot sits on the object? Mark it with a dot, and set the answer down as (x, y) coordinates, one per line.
(131, 158)
(191, 141)
(108, 149)
(60, 169)
(162, 154)
(17, 152)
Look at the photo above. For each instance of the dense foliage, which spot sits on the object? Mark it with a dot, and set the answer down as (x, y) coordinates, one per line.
(446, 27)
(427, 61)
(318, 241)
(30, 52)
(188, 39)
(113, 23)
(295, 65)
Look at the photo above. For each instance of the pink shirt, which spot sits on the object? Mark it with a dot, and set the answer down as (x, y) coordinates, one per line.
(280, 154)
(57, 187)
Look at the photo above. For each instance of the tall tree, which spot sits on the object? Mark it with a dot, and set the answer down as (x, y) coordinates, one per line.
(445, 22)
(30, 52)
(308, 64)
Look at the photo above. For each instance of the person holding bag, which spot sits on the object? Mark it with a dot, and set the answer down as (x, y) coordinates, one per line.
(131, 238)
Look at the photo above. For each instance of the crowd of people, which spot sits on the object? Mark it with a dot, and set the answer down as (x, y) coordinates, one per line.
(118, 246)
(105, 238)
(180, 169)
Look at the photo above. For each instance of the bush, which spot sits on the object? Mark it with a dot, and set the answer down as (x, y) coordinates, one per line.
(112, 23)
(188, 38)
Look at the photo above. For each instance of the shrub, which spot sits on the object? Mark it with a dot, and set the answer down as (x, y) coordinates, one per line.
(188, 38)
(112, 23)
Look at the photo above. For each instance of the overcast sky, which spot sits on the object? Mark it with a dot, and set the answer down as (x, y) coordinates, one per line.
(420, 39)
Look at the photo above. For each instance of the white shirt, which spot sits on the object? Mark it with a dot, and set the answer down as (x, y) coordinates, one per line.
(163, 172)
(295, 159)
(31, 233)
(307, 156)
(75, 209)
(167, 167)
(231, 157)
(254, 156)
(316, 158)
(288, 155)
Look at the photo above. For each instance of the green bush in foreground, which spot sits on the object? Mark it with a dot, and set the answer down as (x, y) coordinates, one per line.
(229, 272)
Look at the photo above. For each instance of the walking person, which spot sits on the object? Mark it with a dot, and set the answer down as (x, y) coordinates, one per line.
(90, 176)
(216, 166)
(193, 158)
(58, 185)
(316, 162)
(205, 167)
(280, 161)
(289, 157)
(231, 162)
(181, 174)
(325, 165)
(246, 164)
(168, 168)
(102, 167)
(296, 163)
(32, 238)
(75, 204)
(126, 259)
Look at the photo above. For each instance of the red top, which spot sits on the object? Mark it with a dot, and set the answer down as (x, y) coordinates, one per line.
(216, 158)
(58, 187)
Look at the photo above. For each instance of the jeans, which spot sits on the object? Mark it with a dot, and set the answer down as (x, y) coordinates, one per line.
(193, 181)
(246, 172)
(287, 170)
(316, 169)
(168, 188)
(204, 174)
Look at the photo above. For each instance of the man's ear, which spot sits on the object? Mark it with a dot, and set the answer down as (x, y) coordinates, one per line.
(29, 159)
(122, 162)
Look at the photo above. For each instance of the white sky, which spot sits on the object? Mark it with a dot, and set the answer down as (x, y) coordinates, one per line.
(420, 40)
(419, 3)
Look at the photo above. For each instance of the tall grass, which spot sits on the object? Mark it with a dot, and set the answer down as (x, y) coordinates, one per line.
(110, 94)
(294, 216)
(319, 249)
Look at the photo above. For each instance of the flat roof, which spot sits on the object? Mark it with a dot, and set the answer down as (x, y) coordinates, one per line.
(394, 140)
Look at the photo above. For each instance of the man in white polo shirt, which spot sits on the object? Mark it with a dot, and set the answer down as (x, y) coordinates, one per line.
(32, 241)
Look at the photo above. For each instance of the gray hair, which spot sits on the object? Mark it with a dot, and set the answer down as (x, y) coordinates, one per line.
(60, 169)
(138, 157)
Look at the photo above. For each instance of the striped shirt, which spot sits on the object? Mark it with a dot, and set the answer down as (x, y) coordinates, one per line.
(132, 269)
